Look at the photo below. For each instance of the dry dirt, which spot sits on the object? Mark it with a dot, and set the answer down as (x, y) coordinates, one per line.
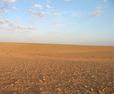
(55, 69)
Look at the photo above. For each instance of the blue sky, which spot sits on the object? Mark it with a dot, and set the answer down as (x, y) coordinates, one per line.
(85, 22)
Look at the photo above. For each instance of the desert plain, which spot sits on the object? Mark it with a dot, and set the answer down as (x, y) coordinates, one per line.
(55, 69)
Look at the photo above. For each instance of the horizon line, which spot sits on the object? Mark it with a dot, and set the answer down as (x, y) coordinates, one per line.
(45, 43)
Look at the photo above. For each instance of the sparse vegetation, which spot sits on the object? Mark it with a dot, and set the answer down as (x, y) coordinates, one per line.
(55, 69)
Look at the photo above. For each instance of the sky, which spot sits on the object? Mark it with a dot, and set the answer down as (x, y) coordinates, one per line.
(83, 22)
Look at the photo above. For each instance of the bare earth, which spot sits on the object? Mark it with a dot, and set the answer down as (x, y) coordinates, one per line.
(55, 69)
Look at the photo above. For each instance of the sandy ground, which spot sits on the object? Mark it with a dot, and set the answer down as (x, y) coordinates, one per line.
(55, 69)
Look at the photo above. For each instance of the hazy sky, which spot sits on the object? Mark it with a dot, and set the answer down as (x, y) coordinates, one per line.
(57, 21)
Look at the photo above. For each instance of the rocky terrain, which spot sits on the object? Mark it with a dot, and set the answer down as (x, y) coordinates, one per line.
(55, 69)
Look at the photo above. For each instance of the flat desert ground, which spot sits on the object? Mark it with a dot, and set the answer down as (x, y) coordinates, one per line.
(55, 69)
